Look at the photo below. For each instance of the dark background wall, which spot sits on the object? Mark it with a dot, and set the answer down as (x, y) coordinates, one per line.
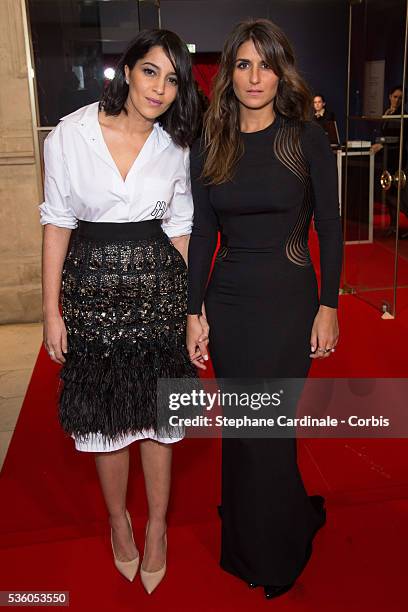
(317, 29)
(378, 32)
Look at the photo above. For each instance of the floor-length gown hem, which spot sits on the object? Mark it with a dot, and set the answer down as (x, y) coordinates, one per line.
(270, 578)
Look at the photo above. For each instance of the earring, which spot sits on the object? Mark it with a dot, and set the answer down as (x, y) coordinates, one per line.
(127, 82)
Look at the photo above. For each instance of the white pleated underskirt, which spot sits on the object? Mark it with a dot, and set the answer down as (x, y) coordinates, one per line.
(95, 443)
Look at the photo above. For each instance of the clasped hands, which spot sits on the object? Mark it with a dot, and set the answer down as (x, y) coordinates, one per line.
(197, 340)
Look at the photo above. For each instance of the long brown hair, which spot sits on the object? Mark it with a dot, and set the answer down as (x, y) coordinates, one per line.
(293, 99)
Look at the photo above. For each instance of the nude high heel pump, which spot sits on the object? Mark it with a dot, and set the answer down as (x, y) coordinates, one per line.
(128, 569)
(151, 580)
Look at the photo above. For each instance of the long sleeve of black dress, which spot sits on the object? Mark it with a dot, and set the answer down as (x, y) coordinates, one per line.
(323, 173)
(204, 233)
(262, 191)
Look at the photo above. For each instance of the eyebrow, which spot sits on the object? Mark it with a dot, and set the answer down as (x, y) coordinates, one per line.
(243, 59)
(157, 67)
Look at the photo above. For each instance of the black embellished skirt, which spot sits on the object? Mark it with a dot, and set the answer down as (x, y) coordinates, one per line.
(124, 288)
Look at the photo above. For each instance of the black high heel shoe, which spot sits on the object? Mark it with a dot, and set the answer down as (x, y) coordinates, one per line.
(275, 591)
(271, 591)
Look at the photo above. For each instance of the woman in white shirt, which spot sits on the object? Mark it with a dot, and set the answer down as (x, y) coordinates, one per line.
(117, 173)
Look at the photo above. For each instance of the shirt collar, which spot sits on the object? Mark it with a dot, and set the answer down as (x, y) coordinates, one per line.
(87, 117)
(86, 120)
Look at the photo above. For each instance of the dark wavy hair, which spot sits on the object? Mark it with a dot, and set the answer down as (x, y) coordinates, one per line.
(394, 89)
(182, 118)
(223, 142)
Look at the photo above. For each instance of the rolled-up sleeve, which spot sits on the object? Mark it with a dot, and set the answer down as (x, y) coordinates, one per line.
(56, 208)
(180, 220)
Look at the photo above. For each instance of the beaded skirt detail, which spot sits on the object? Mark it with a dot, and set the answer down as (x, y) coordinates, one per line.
(124, 306)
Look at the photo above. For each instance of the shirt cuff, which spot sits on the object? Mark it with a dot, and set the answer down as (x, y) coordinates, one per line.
(173, 231)
(53, 216)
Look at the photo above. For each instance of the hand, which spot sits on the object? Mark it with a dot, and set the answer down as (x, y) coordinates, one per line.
(197, 340)
(325, 333)
(204, 323)
(376, 147)
(55, 338)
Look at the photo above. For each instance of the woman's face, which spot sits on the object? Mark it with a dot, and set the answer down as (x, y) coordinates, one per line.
(152, 84)
(318, 103)
(255, 83)
(396, 99)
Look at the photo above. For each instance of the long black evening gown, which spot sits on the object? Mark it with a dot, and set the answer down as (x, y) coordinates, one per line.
(261, 301)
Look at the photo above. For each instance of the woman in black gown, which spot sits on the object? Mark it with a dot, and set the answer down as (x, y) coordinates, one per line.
(259, 175)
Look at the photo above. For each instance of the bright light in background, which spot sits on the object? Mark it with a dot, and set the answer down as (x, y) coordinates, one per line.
(109, 73)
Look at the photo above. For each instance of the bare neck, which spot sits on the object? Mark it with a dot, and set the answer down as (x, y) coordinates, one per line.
(254, 120)
(131, 123)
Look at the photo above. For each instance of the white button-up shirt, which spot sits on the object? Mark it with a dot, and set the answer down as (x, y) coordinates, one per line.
(82, 182)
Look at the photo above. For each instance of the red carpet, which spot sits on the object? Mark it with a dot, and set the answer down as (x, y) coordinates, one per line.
(54, 533)
(369, 268)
